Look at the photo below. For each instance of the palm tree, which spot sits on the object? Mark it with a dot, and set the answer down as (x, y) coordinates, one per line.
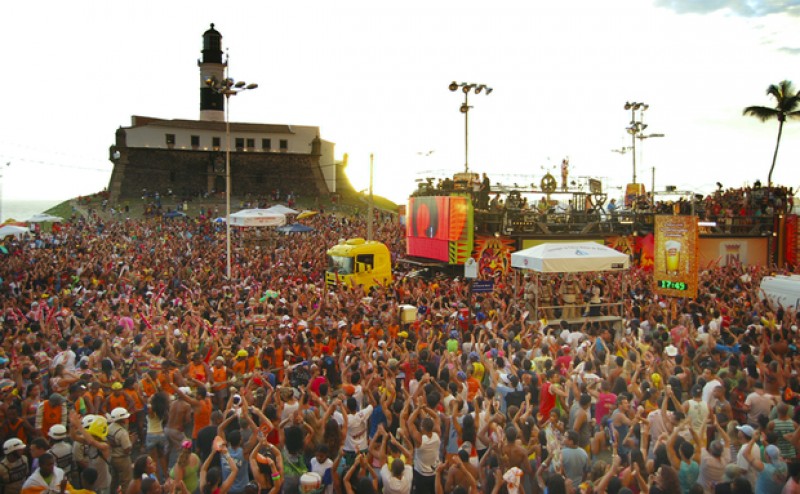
(788, 100)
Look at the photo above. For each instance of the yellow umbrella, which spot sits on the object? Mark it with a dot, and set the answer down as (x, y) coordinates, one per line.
(306, 214)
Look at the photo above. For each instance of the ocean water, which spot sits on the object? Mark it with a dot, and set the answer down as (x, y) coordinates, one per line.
(22, 210)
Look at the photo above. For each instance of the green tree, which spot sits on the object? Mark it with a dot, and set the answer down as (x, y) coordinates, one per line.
(788, 106)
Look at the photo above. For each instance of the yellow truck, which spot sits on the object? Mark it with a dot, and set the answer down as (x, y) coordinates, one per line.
(359, 262)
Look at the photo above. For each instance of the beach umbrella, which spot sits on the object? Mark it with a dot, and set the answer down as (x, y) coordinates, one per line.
(306, 214)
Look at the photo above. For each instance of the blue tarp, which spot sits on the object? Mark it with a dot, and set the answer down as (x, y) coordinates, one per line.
(295, 228)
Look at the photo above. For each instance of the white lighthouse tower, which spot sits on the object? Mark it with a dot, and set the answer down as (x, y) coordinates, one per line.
(212, 103)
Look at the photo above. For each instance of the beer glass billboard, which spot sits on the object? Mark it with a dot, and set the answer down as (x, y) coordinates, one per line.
(675, 272)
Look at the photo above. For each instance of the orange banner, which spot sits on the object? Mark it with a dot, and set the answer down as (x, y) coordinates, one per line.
(676, 244)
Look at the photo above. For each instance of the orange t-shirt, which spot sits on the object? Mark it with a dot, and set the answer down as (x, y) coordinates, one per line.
(51, 415)
(220, 376)
(137, 400)
(240, 367)
(117, 401)
(473, 386)
(202, 416)
(198, 372)
(148, 387)
(163, 379)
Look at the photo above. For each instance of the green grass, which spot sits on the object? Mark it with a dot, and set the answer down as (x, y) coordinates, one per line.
(63, 210)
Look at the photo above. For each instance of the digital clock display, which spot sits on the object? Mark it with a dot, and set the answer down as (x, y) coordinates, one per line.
(673, 285)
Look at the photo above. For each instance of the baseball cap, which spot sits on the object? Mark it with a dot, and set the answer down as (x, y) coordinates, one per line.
(746, 430)
(773, 452)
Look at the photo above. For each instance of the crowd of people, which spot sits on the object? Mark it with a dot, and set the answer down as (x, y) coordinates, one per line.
(130, 363)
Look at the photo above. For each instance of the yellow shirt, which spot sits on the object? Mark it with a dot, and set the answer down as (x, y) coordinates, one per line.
(480, 370)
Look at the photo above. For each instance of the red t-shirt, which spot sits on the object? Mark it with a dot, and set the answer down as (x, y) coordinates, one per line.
(603, 406)
(547, 401)
(316, 383)
(562, 363)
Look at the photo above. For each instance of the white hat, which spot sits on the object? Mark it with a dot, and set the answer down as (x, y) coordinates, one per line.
(87, 420)
(185, 390)
(176, 333)
(342, 324)
(117, 414)
(671, 350)
(57, 431)
(12, 445)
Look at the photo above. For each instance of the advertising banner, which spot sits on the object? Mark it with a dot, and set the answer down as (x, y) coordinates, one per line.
(440, 228)
(493, 255)
(790, 253)
(676, 244)
(731, 251)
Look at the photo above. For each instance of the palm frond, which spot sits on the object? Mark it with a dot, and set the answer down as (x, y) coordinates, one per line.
(781, 90)
(762, 113)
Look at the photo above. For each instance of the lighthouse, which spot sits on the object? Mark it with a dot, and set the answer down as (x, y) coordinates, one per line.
(212, 103)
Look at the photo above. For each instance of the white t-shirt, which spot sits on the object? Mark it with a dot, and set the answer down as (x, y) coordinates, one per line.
(321, 468)
(484, 417)
(741, 461)
(356, 439)
(708, 391)
(65, 358)
(426, 456)
(393, 485)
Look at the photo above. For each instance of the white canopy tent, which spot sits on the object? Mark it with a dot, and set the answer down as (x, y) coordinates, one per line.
(257, 217)
(281, 209)
(570, 257)
(14, 230)
(44, 218)
(577, 257)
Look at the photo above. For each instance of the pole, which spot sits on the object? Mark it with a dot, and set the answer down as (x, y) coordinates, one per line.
(466, 132)
(653, 187)
(370, 209)
(228, 183)
(633, 141)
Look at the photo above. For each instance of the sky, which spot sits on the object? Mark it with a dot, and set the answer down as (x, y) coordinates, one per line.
(374, 75)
